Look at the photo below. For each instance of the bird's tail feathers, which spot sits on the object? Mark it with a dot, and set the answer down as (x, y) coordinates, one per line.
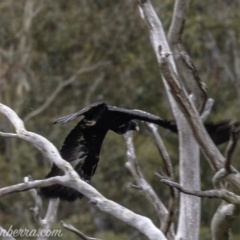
(60, 191)
(57, 190)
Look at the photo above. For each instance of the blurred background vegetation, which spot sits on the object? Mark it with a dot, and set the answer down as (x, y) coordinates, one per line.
(45, 46)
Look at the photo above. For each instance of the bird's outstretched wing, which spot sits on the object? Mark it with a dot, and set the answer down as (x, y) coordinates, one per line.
(140, 115)
(220, 131)
(92, 110)
(81, 149)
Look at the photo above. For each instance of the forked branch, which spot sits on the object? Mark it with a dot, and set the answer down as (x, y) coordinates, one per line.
(72, 179)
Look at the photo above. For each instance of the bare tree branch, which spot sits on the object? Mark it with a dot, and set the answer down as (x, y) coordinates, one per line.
(44, 224)
(72, 179)
(133, 166)
(131, 185)
(189, 217)
(167, 163)
(183, 60)
(51, 211)
(218, 177)
(178, 19)
(71, 228)
(49, 219)
(9, 135)
(222, 221)
(223, 194)
(224, 215)
(37, 209)
(32, 184)
(227, 169)
(207, 109)
(60, 87)
(234, 134)
(212, 154)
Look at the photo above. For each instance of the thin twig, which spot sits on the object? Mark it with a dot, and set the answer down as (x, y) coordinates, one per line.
(218, 177)
(133, 166)
(207, 109)
(71, 228)
(224, 194)
(131, 185)
(9, 135)
(167, 163)
(37, 209)
(234, 134)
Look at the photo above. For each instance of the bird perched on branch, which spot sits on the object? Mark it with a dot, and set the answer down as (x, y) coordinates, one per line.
(82, 146)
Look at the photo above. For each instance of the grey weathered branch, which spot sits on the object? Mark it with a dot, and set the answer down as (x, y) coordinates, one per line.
(49, 218)
(223, 194)
(133, 166)
(184, 62)
(71, 228)
(43, 224)
(218, 177)
(131, 185)
(224, 215)
(167, 163)
(178, 19)
(234, 134)
(188, 227)
(9, 135)
(222, 221)
(72, 179)
(207, 109)
(209, 149)
(60, 87)
(51, 213)
(37, 209)
(227, 169)
(32, 184)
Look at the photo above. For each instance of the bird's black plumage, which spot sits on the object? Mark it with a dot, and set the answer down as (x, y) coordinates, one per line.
(82, 146)
(219, 131)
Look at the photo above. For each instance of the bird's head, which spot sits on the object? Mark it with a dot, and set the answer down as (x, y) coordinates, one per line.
(133, 125)
(128, 126)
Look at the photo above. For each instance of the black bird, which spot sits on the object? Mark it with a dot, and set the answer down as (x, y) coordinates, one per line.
(219, 132)
(82, 146)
